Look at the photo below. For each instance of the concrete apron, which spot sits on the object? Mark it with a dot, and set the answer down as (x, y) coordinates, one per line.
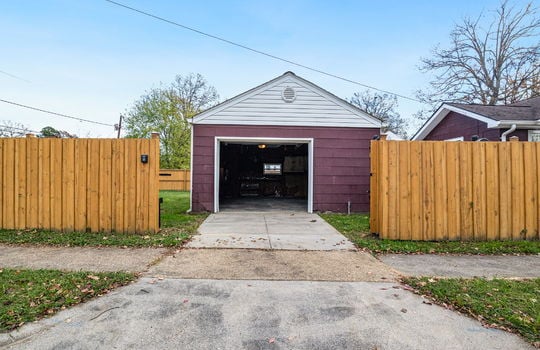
(269, 230)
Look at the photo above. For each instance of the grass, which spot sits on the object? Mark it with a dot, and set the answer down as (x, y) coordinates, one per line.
(28, 295)
(356, 228)
(507, 304)
(177, 227)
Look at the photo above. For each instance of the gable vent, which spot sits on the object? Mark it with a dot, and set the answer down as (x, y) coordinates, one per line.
(288, 94)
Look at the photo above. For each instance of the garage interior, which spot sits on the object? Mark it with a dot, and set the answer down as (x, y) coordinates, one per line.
(263, 176)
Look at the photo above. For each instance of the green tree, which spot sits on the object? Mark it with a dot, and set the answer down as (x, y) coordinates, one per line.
(167, 110)
(49, 131)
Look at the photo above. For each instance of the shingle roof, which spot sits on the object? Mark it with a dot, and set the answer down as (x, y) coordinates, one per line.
(524, 110)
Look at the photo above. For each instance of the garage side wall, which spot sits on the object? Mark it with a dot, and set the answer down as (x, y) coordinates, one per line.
(340, 164)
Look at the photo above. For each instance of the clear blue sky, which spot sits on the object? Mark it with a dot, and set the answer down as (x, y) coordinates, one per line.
(92, 59)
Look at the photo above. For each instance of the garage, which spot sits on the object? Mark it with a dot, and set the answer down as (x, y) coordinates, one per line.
(284, 145)
(264, 174)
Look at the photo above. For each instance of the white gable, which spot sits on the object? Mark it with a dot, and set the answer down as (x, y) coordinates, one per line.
(266, 105)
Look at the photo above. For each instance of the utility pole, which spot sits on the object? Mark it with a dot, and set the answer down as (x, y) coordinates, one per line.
(119, 126)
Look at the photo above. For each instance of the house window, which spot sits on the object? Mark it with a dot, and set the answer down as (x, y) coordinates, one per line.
(534, 135)
(461, 138)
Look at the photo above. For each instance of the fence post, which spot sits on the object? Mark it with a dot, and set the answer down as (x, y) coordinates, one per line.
(383, 137)
(155, 135)
(514, 139)
(30, 135)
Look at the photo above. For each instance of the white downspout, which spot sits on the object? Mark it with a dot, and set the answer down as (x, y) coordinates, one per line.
(509, 131)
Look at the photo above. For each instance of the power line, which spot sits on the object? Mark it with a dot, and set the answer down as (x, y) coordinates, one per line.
(260, 52)
(14, 76)
(54, 113)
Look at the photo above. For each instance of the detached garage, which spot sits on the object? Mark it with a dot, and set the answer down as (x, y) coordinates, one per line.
(286, 144)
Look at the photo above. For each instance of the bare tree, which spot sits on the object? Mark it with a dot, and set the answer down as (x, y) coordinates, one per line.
(497, 64)
(10, 128)
(381, 106)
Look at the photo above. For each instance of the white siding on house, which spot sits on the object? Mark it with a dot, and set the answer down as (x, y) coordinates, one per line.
(264, 106)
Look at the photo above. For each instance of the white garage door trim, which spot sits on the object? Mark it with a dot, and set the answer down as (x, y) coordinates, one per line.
(217, 145)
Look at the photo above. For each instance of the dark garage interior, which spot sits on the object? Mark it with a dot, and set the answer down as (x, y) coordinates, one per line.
(260, 176)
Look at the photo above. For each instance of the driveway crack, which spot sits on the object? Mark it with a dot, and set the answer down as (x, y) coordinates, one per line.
(267, 234)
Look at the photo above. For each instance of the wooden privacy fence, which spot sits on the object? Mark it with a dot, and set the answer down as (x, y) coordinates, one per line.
(174, 179)
(438, 190)
(97, 185)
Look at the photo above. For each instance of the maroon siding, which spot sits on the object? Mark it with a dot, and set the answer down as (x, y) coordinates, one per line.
(457, 125)
(523, 134)
(340, 163)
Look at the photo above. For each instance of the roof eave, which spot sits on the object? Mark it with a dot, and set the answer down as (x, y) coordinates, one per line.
(442, 112)
(520, 124)
(343, 103)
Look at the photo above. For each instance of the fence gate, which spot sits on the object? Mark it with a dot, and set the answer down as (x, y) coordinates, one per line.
(97, 185)
(440, 190)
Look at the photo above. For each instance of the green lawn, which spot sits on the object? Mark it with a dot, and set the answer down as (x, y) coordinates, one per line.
(177, 227)
(356, 228)
(507, 304)
(27, 295)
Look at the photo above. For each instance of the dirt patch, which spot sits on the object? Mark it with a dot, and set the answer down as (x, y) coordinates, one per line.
(273, 265)
(79, 258)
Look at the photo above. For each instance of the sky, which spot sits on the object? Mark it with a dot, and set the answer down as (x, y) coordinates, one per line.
(91, 59)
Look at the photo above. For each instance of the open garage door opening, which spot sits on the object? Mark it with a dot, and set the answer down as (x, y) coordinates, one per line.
(261, 175)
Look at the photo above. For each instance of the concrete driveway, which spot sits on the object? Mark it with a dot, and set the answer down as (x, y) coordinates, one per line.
(269, 230)
(212, 314)
(466, 266)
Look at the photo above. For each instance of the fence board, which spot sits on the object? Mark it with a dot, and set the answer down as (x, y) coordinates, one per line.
(81, 156)
(416, 191)
(130, 186)
(92, 201)
(9, 183)
(68, 186)
(21, 177)
(505, 197)
(492, 190)
(104, 198)
(434, 190)
(385, 215)
(537, 229)
(428, 225)
(32, 181)
(440, 187)
(452, 166)
(118, 184)
(531, 215)
(79, 184)
(374, 178)
(518, 190)
(404, 175)
(174, 179)
(45, 184)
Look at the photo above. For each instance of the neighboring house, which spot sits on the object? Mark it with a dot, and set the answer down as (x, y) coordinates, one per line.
(455, 121)
(286, 139)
